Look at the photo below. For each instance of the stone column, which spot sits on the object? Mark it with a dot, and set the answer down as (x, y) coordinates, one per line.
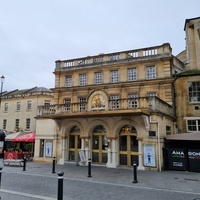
(87, 150)
(109, 161)
(82, 144)
(83, 149)
(140, 155)
(114, 153)
(62, 160)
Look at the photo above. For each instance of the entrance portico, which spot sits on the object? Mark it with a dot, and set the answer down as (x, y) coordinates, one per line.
(107, 141)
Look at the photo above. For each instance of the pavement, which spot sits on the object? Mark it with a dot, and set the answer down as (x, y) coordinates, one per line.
(177, 181)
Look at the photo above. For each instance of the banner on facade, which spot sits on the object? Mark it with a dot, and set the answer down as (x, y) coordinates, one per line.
(177, 159)
(194, 160)
(149, 155)
(48, 148)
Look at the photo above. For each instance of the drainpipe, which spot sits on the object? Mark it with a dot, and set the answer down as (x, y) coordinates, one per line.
(158, 131)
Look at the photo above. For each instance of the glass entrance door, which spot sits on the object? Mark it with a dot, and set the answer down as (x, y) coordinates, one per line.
(99, 145)
(128, 146)
(74, 143)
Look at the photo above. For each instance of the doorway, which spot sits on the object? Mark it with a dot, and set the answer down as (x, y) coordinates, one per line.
(99, 145)
(74, 143)
(128, 146)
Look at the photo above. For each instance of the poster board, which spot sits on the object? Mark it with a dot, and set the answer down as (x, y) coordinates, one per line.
(177, 159)
(48, 148)
(149, 155)
(81, 158)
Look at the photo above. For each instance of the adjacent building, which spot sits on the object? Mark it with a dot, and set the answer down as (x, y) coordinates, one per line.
(187, 83)
(19, 108)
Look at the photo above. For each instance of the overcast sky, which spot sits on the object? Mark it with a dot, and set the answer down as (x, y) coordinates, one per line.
(36, 33)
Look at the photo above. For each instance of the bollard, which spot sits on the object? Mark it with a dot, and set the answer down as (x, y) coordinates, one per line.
(60, 186)
(24, 163)
(135, 172)
(0, 177)
(89, 168)
(53, 165)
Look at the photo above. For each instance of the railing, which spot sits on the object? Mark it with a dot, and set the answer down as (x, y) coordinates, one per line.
(154, 104)
(162, 50)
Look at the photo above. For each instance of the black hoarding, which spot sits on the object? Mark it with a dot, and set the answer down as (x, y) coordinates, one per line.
(194, 160)
(177, 159)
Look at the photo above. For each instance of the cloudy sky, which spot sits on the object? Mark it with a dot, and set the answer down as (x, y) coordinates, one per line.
(36, 33)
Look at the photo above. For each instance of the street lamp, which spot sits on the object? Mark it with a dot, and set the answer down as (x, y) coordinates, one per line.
(2, 81)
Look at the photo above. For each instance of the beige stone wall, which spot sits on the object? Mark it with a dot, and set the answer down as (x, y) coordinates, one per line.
(46, 130)
(183, 107)
(182, 56)
(23, 114)
(192, 30)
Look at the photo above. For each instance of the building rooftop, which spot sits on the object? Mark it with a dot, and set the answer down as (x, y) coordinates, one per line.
(24, 92)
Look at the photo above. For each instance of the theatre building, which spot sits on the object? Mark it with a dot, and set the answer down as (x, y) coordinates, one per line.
(115, 108)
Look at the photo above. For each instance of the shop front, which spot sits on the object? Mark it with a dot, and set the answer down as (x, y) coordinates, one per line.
(182, 152)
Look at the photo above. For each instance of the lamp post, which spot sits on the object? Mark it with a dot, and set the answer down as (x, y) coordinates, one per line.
(2, 81)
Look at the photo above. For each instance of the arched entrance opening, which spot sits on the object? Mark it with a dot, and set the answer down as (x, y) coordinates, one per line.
(74, 143)
(99, 145)
(128, 145)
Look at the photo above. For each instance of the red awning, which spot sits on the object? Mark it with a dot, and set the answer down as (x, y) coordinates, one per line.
(30, 137)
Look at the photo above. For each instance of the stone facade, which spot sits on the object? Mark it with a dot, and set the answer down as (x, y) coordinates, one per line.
(192, 31)
(19, 108)
(187, 83)
(113, 107)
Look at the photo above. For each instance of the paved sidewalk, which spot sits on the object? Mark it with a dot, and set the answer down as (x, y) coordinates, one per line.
(169, 180)
(178, 181)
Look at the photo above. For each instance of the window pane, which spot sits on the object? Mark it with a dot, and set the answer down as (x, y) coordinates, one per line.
(95, 142)
(29, 105)
(28, 123)
(151, 72)
(192, 125)
(98, 77)
(82, 78)
(6, 107)
(46, 102)
(68, 81)
(151, 94)
(123, 143)
(72, 141)
(18, 106)
(134, 143)
(82, 104)
(4, 124)
(132, 74)
(71, 155)
(114, 76)
(17, 123)
(114, 102)
(132, 101)
(194, 91)
(104, 143)
(67, 103)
